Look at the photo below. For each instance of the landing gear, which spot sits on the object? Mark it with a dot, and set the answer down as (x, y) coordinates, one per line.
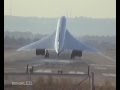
(72, 56)
(60, 71)
(76, 53)
(58, 54)
(47, 54)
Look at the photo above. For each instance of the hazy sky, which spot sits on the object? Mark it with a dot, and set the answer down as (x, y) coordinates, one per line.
(56, 8)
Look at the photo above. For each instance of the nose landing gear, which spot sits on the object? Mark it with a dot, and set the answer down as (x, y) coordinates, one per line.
(58, 54)
(47, 54)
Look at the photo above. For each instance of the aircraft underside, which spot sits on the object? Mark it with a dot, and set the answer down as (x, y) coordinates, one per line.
(45, 53)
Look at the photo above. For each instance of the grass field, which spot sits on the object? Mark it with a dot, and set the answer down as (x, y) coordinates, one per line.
(61, 84)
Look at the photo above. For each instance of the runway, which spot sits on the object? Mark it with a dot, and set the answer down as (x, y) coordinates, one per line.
(103, 68)
(68, 66)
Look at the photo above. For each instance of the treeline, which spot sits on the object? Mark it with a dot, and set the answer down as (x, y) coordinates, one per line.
(11, 42)
(18, 39)
(101, 42)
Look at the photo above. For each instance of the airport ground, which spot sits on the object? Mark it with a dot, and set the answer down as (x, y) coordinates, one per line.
(103, 68)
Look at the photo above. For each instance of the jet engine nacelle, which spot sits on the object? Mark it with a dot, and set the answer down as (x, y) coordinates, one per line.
(76, 53)
(40, 51)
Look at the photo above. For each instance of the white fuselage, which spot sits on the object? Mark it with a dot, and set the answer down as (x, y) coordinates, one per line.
(60, 34)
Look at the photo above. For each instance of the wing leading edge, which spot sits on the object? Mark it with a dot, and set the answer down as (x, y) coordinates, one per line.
(47, 42)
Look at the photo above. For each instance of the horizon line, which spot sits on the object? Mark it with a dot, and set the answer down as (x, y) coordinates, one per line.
(59, 16)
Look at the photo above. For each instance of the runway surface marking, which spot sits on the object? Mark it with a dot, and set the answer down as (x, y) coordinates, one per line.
(45, 71)
(36, 65)
(102, 65)
(28, 67)
(60, 61)
(9, 68)
(48, 71)
(80, 73)
(102, 68)
(109, 74)
(56, 61)
(73, 72)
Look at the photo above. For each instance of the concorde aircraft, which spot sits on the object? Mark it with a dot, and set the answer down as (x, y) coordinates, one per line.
(59, 41)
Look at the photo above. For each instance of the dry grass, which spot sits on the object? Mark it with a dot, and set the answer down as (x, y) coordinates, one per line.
(107, 85)
(62, 84)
